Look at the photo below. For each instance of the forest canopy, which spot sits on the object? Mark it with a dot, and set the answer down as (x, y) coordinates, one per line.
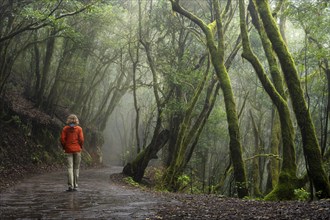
(221, 96)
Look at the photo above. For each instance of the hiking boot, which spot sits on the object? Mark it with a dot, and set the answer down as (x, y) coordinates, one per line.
(70, 189)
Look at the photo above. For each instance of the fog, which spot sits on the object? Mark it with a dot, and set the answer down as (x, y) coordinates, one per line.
(118, 135)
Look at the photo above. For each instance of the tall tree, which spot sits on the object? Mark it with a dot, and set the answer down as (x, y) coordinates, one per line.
(50, 47)
(16, 23)
(316, 55)
(217, 57)
(160, 136)
(61, 70)
(288, 173)
(311, 146)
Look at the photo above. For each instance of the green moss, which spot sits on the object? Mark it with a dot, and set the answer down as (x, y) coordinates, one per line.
(311, 146)
(284, 190)
(217, 58)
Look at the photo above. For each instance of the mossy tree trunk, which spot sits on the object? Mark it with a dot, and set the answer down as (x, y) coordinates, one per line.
(160, 137)
(174, 126)
(137, 168)
(327, 114)
(273, 165)
(288, 172)
(311, 146)
(188, 136)
(217, 57)
(176, 116)
(255, 163)
(324, 64)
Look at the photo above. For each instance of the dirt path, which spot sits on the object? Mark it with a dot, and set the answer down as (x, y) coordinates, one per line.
(44, 197)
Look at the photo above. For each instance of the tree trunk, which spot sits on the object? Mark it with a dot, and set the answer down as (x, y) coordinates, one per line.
(5, 69)
(7, 59)
(177, 116)
(187, 138)
(255, 163)
(60, 71)
(37, 65)
(174, 126)
(273, 165)
(217, 57)
(46, 67)
(288, 173)
(326, 68)
(311, 146)
(326, 114)
(137, 168)
(121, 88)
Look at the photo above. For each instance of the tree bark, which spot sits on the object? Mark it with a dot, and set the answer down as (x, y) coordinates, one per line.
(217, 57)
(324, 64)
(137, 168)
(273, 165)
(255, 163)
(60, 71)
(288, 173)
(311, 146)
(187, 137)
(46, 67)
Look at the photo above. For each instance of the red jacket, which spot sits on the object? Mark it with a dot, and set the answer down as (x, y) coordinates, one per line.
(72, 139)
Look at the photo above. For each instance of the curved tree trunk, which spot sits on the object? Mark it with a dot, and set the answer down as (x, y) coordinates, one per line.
(288, 172)
(217, 57)
(311, 146)
(187, 137)
(137, 168)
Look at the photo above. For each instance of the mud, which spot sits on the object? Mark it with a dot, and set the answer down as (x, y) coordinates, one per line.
(45, 197)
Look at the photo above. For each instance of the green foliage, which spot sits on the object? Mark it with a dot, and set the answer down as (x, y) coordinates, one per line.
(60, 157)
(155, 175)
(86, 158)
(26, 128)
(41, 156)
(253, 198)
(129, 180)
(284, 190)
(17, 120)
(183, 181)
(240, 185)
(318, 194)
(30, 13)
(301, 194)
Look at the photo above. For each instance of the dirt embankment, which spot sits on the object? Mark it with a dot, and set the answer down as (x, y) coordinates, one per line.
(29, 140)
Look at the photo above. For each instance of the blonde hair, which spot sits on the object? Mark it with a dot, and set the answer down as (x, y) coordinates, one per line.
(72, 119)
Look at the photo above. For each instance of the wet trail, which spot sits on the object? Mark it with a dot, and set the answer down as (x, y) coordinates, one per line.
(44, 197)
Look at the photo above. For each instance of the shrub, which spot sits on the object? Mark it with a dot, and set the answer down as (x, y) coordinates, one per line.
(301, 194)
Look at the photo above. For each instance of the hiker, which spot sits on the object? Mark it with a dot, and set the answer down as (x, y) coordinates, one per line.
(72, 140)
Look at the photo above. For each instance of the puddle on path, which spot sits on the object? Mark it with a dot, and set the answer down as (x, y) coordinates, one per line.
(44, 197)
